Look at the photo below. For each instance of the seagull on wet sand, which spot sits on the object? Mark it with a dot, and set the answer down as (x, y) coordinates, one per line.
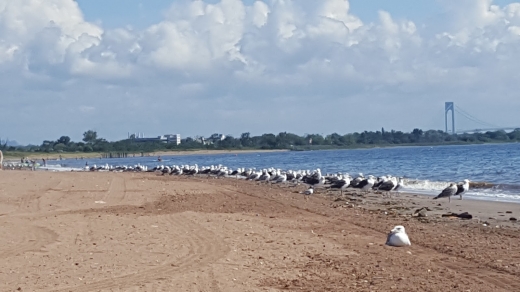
(398, 237)
(399, 187)
(462, 188)
(448, 192)
(388, 184)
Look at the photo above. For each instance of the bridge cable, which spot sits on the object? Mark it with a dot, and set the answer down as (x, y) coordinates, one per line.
(480, 123)
(460, 110)
(479, 126)
(474, 119)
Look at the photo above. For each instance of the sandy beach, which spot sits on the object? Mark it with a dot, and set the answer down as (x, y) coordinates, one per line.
(101, 231)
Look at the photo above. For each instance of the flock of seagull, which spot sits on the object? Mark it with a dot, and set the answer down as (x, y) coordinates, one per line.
(313, 179)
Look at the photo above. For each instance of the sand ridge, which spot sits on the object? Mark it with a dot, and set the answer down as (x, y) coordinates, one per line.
(145, 232)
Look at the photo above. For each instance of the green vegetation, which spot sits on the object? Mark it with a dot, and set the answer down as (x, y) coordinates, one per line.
(284, 140)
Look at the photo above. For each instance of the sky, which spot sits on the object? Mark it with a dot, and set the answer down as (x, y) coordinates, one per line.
(195, 67)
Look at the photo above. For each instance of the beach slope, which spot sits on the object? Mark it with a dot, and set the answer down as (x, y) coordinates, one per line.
(145, 232)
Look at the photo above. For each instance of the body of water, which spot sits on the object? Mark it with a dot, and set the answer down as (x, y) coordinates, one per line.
(426, 169)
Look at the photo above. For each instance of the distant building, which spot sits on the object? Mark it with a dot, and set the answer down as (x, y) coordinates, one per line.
(216, 138)
(201, 140)
(167, 138)
(173, 138)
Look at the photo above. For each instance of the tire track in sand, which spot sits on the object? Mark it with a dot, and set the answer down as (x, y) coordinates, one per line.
(116, 192)
(502, 280)
(204, 248)
(26, 238)
(31, 202)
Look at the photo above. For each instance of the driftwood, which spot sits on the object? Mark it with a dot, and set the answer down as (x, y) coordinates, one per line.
(464, 215)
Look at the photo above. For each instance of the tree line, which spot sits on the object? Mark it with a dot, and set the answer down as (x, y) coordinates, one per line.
(284, 140)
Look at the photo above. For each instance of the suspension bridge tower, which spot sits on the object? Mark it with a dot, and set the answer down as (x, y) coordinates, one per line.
(449, 106)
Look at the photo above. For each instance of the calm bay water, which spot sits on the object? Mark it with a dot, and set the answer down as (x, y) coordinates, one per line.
(426, 169)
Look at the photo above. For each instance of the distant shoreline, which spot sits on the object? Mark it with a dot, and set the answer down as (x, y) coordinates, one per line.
(211, 152)
(13, 156)
(402, 145)
(16, 156)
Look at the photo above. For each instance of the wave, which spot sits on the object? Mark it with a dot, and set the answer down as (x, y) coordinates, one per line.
(59, 168)
(478, 190)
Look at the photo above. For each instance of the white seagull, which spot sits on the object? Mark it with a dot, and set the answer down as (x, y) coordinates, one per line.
(462, 188)
(399, 186)
(398, 237)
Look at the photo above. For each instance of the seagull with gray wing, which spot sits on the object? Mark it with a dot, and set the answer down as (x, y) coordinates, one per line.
(451, 190)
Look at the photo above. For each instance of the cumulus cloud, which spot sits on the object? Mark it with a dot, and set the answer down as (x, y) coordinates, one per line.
(267, 66)
(44, 33)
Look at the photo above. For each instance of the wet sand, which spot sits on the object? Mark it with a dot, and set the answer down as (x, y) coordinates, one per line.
(145, 232)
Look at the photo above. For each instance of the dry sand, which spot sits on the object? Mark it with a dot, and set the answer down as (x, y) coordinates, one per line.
(143, 232)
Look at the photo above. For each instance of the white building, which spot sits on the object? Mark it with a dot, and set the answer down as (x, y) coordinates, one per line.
(173, 138)
(168, 138)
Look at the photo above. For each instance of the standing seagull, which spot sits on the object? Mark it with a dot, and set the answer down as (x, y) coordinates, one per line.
(387, 184)
(398, 237)
(313, 179)
(462, 188)
(357, 180)
(399, 186)
(366, 184)
(341, 184)
(448, 192)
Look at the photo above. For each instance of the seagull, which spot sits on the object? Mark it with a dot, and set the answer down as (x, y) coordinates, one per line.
(366, 184)
(282, 178)
(254, 175)
(462, 188)
(321, 182)
(448, 192)
(265, 176)
(309, 191)
(193, 171)
(314, 179)
(388, 184)
(379, 181)
(357, 180)
(398, 237)
(341, 184)
(399, 186)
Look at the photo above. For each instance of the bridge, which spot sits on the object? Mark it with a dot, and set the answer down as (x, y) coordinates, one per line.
(449, 116)
(486, 130)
